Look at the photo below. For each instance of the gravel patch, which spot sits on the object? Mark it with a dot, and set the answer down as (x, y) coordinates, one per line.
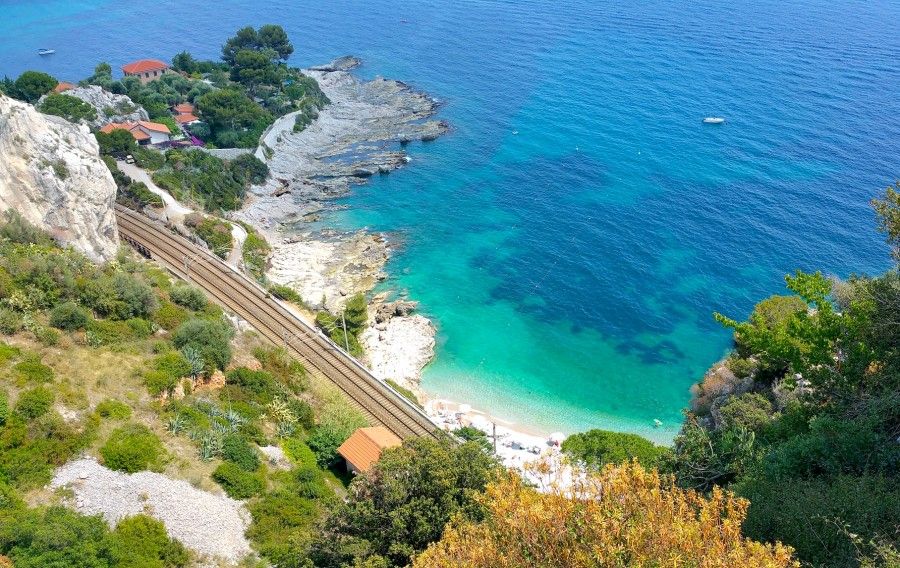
(211, 525)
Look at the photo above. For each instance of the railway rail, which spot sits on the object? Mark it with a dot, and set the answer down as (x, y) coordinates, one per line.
(381, 404)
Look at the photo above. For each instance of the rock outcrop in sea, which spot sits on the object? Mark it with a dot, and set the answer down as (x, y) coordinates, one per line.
(363, 132)
(51, 174)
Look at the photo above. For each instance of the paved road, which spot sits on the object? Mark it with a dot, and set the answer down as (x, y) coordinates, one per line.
(226, 286)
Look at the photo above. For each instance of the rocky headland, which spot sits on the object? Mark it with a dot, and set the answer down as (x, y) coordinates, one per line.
(363, 132)
(52, 175)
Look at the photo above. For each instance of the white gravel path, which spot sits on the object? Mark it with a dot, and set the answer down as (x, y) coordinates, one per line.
(209, 524)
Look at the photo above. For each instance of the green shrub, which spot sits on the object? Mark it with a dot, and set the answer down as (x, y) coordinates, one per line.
(237, 483)
(298, 452)
(131, 448)
(34, 403)
(159, 382)
(287, 370)
(236, 450)
(4, 407)
(148, 159)
(172, 364)
(69, 316)
(108, 332)
(212, 339)
(119, 296)
(114, 409)
(8, 352)
(281, 520)
(303, 412)
(596, 448)
(812, 515)
(188, 297)
(215, 233)
(142, 542)
(140, 328)
(285, 293)
(169, 316)
(256, 252)
(46, 336)
(10, 321)
(31, 370)
(260, 383)
(407, 394)
(71, 108)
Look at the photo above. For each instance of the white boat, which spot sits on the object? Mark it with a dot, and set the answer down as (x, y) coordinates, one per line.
(713, 120)
(46, 51)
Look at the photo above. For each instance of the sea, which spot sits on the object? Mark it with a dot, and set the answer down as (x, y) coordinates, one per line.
(574, 233)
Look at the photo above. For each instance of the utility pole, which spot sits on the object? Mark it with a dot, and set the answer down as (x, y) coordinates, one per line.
(344, 323)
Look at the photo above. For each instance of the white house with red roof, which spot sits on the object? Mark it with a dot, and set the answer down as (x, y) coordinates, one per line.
(146, 69)
(143, 131)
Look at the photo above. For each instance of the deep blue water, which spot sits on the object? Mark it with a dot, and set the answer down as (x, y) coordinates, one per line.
(573, 234)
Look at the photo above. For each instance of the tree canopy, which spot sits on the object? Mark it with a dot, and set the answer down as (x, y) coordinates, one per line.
(402, 504)
(622, 516)
(596, 448)
(32, 85)
(269, 37)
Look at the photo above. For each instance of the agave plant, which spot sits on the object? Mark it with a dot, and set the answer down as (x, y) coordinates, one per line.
(176, 424)
(194, 359)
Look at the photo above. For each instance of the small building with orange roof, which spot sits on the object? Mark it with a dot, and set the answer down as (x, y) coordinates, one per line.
(63, 86)
(363, 448)
(183, 108)
(146, 69)
(143, 131)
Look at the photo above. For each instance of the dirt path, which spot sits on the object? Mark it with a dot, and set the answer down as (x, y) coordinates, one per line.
(175, 211)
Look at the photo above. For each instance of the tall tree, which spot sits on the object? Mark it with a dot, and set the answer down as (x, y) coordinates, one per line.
(888, 211)
(32, 85)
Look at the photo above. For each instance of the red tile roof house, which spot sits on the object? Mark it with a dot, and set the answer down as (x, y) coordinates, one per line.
(146, 69)
(184, 114)
(143, 131)
(361, 450)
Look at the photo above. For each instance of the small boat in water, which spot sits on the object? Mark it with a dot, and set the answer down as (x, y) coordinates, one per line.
(713, 120)
(46, 51)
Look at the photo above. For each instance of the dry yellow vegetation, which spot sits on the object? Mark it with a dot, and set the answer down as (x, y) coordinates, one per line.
(624, 516)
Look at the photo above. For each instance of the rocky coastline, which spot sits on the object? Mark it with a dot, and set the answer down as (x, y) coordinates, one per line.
(363, 132)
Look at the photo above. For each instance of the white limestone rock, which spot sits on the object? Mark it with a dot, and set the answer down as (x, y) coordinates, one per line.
(51, 174)
(110, 106)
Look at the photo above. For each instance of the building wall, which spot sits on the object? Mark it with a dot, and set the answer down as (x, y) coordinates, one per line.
(149, 75)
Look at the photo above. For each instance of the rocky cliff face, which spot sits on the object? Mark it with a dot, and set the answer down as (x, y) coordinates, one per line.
(52, 174)
(110, 106)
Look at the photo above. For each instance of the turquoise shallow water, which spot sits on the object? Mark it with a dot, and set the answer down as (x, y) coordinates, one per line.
(573, 234)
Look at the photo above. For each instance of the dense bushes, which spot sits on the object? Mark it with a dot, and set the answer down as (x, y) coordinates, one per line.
(236, 450)
(71, 108)
(596, 448)
(118, 296)
(113, 409)
(213, 231)
(188, 296)
(212, 339)
(69, 316)
(255, 252)
(132, 448)
(208, 180)
(285, 293)
(354, 321)
(236, 481)
(34, 403)
(57, 537)
(626, 516)
(418, 487)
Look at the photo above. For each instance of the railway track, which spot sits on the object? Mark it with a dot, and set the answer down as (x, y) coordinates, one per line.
(381, 404)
